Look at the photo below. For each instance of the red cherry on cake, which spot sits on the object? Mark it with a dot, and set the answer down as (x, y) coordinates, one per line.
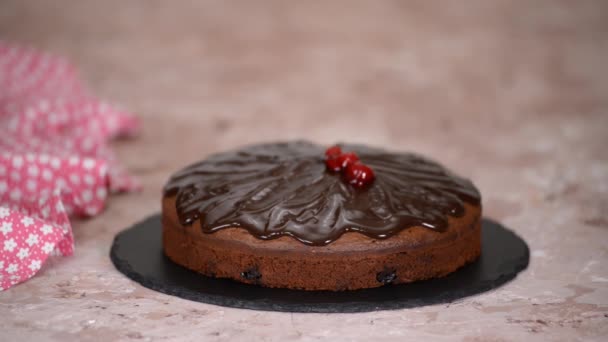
(359, 175)
(346, 159)
(333, 164)
(333, 152)
(332, 158)
(354, 172)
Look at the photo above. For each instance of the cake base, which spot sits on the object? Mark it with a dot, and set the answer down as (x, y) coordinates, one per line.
(137, 252)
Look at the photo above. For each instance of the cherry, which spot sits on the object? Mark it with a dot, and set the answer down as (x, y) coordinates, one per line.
(332, 158)
(348, 163)
(359, 175)
(333, 152)
(333, 164)
(347, 159)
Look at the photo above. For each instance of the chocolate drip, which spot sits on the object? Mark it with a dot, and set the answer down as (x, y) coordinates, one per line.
(284, 189)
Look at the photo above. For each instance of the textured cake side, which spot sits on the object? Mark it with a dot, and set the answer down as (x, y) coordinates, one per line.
(354, 261)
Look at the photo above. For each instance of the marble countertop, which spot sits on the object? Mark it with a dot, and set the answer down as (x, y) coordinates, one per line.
(514, 96)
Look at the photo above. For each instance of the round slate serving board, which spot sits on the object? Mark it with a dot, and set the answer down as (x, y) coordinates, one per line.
(137, 252)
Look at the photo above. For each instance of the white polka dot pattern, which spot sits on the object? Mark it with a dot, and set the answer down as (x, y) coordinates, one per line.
(54, 158)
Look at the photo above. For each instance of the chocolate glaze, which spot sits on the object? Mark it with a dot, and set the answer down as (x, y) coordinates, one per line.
(284, 189)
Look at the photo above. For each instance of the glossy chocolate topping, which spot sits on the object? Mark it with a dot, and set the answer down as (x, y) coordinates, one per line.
(284, 189)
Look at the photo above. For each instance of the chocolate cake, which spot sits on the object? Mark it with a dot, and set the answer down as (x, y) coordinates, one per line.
(295, 215)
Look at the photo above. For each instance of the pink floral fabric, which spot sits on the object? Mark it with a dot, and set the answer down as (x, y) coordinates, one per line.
(54, 158)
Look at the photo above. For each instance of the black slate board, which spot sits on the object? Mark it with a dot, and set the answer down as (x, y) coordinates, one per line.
(137, 252)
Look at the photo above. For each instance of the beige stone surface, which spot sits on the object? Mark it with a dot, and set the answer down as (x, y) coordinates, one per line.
(511, 94)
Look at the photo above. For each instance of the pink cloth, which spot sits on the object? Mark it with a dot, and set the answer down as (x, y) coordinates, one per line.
(54, 160)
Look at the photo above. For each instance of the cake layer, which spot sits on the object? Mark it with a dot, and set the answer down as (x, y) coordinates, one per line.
(354, 261)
